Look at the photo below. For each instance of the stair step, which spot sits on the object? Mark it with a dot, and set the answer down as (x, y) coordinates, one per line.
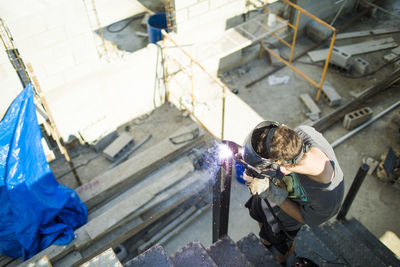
(154, 256)
(360, 232)
(226, 253)
(257, 254)
(193, 254)
(337, 246)
(357, 244)
(310, 246)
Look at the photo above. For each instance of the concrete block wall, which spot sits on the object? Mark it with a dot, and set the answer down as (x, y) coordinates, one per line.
(203, 19)
(55, 38)
(82, 92)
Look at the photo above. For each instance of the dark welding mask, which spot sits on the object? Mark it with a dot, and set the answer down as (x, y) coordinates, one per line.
(251, 157)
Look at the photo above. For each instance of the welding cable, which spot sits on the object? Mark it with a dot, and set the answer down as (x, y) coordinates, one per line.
(139, 16)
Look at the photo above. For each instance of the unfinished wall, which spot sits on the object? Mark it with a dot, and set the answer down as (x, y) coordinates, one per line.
(56, 38)
(203, 19)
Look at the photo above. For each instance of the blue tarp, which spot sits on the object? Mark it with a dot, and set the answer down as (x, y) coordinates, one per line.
(35, 211)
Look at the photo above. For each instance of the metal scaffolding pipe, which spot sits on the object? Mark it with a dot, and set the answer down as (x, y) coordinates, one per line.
(362, 126)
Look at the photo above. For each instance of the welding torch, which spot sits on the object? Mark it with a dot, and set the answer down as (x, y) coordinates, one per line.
(236, 154)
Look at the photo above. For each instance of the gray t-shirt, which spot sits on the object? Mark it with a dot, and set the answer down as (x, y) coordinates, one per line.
(318, 202)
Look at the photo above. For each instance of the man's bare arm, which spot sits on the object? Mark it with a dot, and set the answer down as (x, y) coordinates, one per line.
(292, 209)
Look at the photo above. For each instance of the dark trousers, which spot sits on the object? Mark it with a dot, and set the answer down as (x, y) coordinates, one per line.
(270, 229)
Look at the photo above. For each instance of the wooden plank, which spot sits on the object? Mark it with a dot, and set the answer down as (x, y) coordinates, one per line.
(197, 186)
(373, 32)
(132, 170)
(177, 169)
(355, 49)
(105, 222)
(338, 114)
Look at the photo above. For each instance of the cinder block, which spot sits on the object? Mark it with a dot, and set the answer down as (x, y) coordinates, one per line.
(312, 106)
(330, 95)
(27, 27)
(198, 9)
(340, 58)
(357, 117)
(51, 37)
(117, 147)
(217, 3)
(180, 4)
(361, 66)
(59, 64)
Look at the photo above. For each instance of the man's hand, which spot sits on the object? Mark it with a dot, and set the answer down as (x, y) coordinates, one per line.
(266, 189)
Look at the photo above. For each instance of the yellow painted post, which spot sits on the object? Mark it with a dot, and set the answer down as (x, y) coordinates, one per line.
(294, 37)
(326, 66)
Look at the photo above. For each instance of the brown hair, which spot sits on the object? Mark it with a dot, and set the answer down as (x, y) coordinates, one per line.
(285, 143)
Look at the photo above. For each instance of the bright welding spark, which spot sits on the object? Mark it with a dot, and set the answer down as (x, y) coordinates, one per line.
(224, 151)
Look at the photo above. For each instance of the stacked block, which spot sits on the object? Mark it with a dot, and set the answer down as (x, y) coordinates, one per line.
(361, 66)
(357, 117)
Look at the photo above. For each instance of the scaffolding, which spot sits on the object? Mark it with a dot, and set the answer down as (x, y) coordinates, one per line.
(27, 76)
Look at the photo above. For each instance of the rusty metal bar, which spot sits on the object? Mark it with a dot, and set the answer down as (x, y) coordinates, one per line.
(286, 22)
(328, 58)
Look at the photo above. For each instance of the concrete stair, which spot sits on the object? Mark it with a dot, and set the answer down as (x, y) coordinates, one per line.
(346, 243)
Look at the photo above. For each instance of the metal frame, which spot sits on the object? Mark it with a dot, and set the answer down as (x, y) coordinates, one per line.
(191, 75)
(221, 200)
(300, 11)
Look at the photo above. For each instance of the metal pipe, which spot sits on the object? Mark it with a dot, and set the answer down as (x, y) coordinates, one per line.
(362, 126)
(294, 38)
(355, 186)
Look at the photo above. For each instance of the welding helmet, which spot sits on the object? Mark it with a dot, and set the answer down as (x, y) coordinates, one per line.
(253, 158)
(249, 154)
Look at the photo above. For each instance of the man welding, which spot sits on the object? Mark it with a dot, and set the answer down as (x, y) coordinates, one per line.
(294, 178)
